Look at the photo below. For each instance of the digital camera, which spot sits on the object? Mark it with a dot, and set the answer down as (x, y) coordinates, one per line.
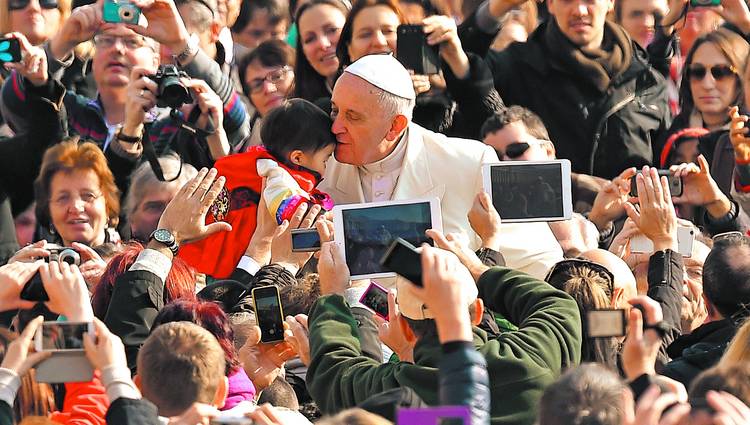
(171, 92)
(120, 11)
(34, 289)
(705, 3)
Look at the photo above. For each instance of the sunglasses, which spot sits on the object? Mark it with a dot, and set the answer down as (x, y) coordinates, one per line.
(718, 72)
(516, 149)
(22, 4)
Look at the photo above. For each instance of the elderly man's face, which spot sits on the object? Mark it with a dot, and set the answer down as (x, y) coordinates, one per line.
(145, 217)
(363, 130)
(118, 50)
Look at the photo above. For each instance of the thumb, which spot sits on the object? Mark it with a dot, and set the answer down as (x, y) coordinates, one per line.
(635, 325)
(734, 112)
(216, 227)
(703, 164)
(32, 360)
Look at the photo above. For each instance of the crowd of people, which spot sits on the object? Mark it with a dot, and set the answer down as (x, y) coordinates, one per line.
(158, 156)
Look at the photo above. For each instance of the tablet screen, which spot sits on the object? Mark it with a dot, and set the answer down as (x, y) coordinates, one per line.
(527, 191)
(369, 232)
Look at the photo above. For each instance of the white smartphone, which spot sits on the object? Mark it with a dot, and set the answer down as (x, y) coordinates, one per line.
(61, 336)
(685, 238)
(367, 230)
(528, 191)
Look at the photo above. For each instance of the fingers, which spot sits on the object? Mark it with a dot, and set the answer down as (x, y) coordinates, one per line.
(325, 230)
(298, 215)
(651, 308)
(392, 306)
(86, 252)
(310, 217)
(191, 186)
(440, 240)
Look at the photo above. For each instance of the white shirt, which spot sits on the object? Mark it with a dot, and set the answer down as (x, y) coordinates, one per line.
(380, 178)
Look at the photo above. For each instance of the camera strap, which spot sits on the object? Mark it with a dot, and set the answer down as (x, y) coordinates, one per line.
(150, 153)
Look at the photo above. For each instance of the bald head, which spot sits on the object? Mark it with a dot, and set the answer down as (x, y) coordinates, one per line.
(624, 279)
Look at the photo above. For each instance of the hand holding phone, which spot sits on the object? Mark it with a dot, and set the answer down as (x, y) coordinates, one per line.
(404, 259)
(18, 358)
(10, 50)
(268, 313)
(376, 299)
(413, 51)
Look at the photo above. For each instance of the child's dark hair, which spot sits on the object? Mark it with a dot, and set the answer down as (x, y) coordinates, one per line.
(296, 125)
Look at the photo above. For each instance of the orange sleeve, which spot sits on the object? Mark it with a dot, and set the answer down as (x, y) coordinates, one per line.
(85, 403)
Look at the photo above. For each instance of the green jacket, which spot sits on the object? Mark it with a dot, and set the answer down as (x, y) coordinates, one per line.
(520, 363)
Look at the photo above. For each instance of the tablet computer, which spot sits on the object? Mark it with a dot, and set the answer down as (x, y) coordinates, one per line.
(524, 191)
(367, 230)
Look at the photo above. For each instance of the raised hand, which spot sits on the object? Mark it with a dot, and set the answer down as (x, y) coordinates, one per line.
(656, 218)
(700, 189)
(392, 334)
(485, 221)
(33, 65)
(104, 348)
(67, 291)
(211, 106)
(300, 336)
(332, 269)
(185, 216)
(609, 204)
(164, 24)
(641, 348)
(17, 357)
(83, 23)
(738, 135)
(281, 244)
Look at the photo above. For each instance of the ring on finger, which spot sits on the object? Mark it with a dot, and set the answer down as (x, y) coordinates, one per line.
(141, 93)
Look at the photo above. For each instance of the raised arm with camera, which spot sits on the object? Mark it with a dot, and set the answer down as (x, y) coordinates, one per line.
(718, 212)
(657, 220)
(138, 294)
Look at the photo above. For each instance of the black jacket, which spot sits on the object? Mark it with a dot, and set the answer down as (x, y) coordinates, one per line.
(665, 275)
(698, 351)
(464, 380)
(600, 134)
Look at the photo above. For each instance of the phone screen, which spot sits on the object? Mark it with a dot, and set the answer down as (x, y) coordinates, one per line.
(268, 313)
(376, 299)
(63, 336)
(523, 191)
(10, 50)
(403, 259)
(605, 323)
(413, 51)
(368, 232)
(305, 240)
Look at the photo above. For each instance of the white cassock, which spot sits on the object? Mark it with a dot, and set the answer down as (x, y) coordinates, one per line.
(427, 164)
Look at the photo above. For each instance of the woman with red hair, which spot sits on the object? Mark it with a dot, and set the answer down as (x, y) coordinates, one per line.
(180, 283)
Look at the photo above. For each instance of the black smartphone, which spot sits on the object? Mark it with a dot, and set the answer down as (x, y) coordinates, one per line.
(413, 51)
(305, 240)
(10, 50)
(404, 259)
(268, 313)
(606, 323)
(376, 299)
(675, 183)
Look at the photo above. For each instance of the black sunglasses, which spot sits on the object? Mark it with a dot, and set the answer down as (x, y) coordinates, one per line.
(22, 4)
(516, 149)
(719, 72)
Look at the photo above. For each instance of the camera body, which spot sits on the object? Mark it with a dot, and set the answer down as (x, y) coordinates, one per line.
(34, 289)
(171, 92)
(120, 11)
(705, 3)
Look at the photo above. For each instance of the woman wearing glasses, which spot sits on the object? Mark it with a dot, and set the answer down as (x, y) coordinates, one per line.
(711, 84)
(267, 75)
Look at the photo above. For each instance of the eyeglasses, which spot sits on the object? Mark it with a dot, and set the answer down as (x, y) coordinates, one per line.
(516, 149)
(106, 41)
(565, 266)
(273, 77)
(22, 4)
(65, 199)
(718, 72)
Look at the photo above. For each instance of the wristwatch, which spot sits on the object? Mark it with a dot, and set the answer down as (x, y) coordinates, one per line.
(166, 238)
(190, 50)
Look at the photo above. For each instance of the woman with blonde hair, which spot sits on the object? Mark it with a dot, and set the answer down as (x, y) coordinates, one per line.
(37, 20)
(738, 351)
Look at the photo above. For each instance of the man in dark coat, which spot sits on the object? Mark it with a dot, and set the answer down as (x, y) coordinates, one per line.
(603, 104)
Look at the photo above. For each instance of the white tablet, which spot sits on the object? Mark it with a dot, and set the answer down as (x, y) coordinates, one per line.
(367, 230)
(530, 190)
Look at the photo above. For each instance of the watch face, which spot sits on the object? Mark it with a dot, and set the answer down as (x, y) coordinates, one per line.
(163, 236)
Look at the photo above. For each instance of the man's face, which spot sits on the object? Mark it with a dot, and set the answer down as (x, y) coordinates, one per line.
(515, 133)
(118, 50)
(259, 29)
(145, 217)
(359, 123)
(582, 21)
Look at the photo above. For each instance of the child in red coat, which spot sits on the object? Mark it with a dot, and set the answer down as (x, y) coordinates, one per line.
(297, 142)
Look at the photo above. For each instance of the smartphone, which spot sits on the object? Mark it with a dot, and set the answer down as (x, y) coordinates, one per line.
(413, 51)
(606, 323)
(376, 299)
(685, 239)
(305, 240)
(10, 50)
(675, 183)
(232, 420)
(705, 3)
(268, 313)
(404, 259)
(62, 336)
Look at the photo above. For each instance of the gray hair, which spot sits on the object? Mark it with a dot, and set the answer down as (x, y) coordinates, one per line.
(393, 105)
(143, 180)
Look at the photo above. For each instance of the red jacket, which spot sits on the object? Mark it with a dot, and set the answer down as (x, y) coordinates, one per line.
(217, 255)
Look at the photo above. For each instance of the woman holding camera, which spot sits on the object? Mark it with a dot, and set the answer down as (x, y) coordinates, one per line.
(77, 203)
(455, 102)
